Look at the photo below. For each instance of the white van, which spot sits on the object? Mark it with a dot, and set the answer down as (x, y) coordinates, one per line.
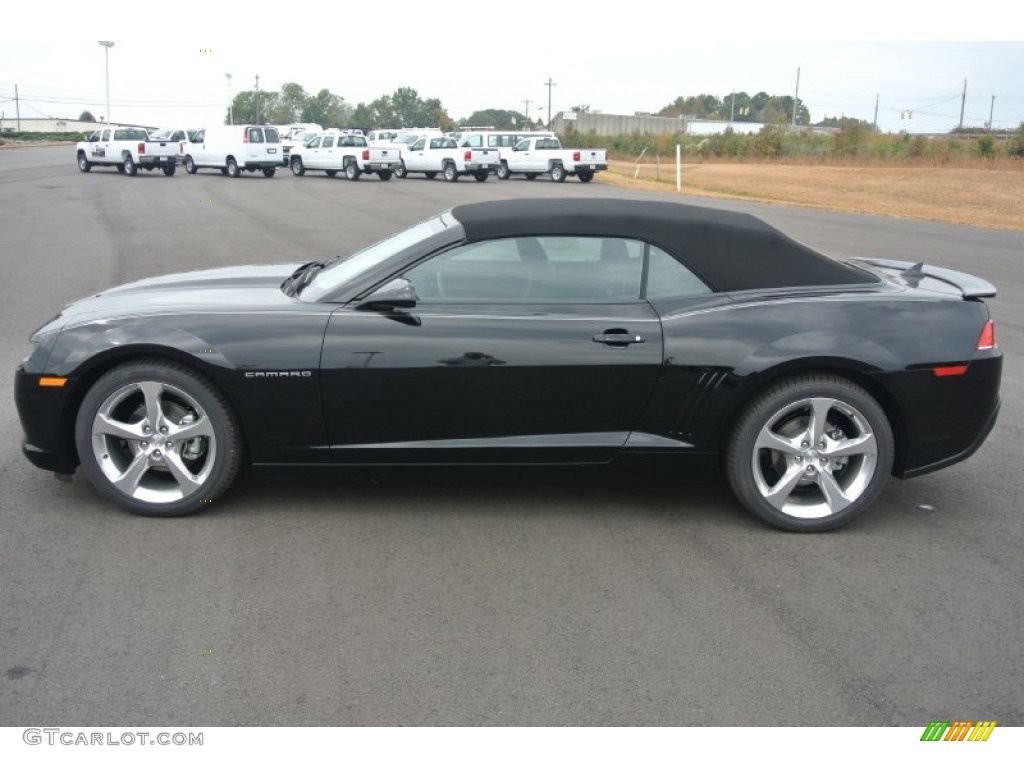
(234, 148)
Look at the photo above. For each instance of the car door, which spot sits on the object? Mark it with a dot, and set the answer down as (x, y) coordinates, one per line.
(415, 157)
(519, 349)
(311, 153)
(101, 149)
(329, 159)
(519, 157)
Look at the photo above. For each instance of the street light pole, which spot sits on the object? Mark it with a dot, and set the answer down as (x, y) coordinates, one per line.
(550, 84)
(107, 45)
(231, 103)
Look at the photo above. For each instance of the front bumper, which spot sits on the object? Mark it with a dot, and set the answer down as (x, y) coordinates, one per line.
(45, 414)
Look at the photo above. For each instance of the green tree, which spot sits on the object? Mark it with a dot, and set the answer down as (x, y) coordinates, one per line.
(293, 99)
(402, 109)
(86, 117)
(326, 109)
(262, 107)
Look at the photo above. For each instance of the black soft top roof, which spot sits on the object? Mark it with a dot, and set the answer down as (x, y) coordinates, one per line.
(730, 251)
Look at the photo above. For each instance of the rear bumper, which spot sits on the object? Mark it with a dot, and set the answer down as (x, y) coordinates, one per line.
(374, 167)
(590, 167)
(474, 167)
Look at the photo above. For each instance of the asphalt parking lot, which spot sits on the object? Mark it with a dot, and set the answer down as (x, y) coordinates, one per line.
(498, 597)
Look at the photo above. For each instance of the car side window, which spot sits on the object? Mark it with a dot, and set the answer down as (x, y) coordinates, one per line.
(255, 136)
(522, 146)
(476, 140)
(314, 143)
(667, 278)
(328, 142)
(534, 269)
(106, 136)
(420, 143)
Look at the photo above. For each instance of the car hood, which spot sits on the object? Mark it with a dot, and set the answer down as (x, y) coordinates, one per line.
(254, 287)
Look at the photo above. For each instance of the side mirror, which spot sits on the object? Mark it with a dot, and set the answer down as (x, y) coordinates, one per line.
(392, 295)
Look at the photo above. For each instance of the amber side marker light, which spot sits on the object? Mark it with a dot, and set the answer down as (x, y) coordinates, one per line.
(52, 381)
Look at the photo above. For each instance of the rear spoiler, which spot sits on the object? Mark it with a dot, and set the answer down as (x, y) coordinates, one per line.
(911, 274)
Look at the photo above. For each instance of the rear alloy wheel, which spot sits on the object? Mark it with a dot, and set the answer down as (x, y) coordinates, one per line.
(157, 438)
(502, 171)
(129, 165)
(190, 165)
(232, 169)
(557, 173)
(83, 163)
(810, 454)
(269, 172)
(352, 172)
(481, 175)
(450, 174)
(400, 171)
(297, 167)
(385, 175)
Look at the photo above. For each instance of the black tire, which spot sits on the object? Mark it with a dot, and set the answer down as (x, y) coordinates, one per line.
(800, 472)
(385, 175)
(586, 176)
(176, 475)
(481, 175)
(269, 172)
(352, 172)
(532, 176)
(450, 172)
(400, 171)
(170, 169)
(190, 165)
(332, 174)
(502, 171)
(120, 167)
(83, 163)
(557, 173)
(298, 169)
(223, 171)
(232, 168)
(130, 167)
(431, 174)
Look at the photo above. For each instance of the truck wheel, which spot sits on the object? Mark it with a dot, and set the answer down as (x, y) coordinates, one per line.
(502, 171)
(430, 174)
(586, 176)
(532, 176)
(481, 175)
(557, 173)
(190, 165)
(352, 172)
(232, 168)
(129, 165)
(400, 171)
(297, 167)
(83, 163)
(385, 175)
(269, 172)
(170, 169)
(450, 173)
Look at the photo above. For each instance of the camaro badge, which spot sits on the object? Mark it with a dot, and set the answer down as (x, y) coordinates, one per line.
(278, 374)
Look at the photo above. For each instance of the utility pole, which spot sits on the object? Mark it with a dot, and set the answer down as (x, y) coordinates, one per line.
(991, 109)
(876, 112)
(550, 84)
(527, 103)
(17, 105)
(258, 100)
(107, 45)
(796, 95)
(963, 101)
(231, 102)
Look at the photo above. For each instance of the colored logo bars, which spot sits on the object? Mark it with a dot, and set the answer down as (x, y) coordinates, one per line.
(958, 730)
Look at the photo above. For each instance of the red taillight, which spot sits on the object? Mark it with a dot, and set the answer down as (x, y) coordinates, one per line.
(142, 147)
(575, 157)
(468, 156)
(366, 154)
(950, 370)
(987, 340)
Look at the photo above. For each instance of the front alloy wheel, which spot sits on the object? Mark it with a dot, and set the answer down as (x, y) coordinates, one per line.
(157, 438)
(810, 454)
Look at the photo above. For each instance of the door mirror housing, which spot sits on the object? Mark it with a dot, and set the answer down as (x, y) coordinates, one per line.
(394, 294)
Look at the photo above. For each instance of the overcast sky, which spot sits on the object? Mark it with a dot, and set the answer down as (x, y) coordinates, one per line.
(638, 57)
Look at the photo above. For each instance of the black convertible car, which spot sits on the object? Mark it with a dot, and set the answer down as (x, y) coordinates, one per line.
(514, 332)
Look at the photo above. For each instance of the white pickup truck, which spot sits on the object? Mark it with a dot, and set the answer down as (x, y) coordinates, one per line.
(431, 155)
(333, 151)
(128, 149)
(540, 154)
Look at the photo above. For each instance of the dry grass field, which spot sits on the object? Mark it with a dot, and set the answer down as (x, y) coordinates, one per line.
(983, 198)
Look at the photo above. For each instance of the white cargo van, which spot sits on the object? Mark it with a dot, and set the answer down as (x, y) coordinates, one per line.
(236, 148)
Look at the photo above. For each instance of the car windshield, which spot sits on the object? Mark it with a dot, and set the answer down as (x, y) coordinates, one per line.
(341, 271)
(163, 134)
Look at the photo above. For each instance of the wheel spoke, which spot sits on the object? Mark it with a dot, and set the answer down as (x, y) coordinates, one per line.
(779, 493)
(186, 480)
(775, 442)
(852, 446)
(151, 391)
(104, 425)
(201, 428)
(820, 407)
(128, 481)
(835, 497)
